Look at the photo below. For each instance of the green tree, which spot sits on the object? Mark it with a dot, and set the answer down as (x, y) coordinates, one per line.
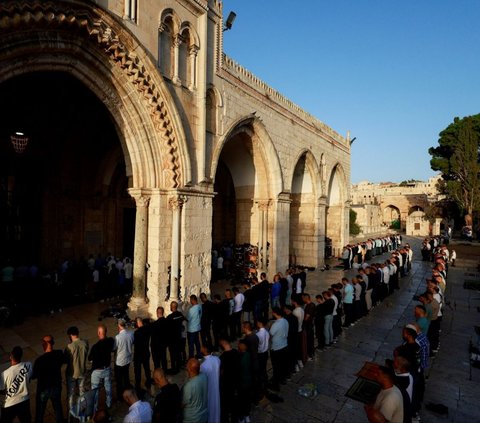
(354, 226)
(457, 157)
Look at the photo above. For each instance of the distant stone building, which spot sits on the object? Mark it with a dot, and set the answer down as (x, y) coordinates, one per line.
(142, 138)
(399, 206)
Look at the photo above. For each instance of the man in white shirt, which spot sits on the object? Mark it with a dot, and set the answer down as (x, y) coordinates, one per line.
(389, 403)
(299, 313)
(138, 411)
(238, 299)
(124, 348)
(263, 342)
(14, 384)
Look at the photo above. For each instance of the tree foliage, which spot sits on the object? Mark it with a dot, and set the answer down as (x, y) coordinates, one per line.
(457, 157)
(354, 226)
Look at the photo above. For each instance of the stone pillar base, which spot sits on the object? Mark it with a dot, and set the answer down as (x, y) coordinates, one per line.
(137, 307)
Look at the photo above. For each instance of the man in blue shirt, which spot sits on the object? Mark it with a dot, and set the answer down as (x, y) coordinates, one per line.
(194, 319)
(278, 351)
(195, 394)
(124, 348)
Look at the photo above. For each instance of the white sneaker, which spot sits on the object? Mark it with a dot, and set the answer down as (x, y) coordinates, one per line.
(300, 364)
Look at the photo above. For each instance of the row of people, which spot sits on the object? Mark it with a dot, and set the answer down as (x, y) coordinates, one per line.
(402, 379)
(364, 251)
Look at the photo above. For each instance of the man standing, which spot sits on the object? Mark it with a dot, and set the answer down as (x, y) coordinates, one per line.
(195, 394)
(76, 354)
(47, 369)
(175, 326)
(278, 352)
(14, 384)
(138, 411)
(124, 348)
(101, 356)
(308, 327)
(263, 344)
(206, 322)
(211, 368)
(141, 353)
(159, 331)
(237, 312)
(389, 402)
(229, 378)
(194, 318)
(168, 402)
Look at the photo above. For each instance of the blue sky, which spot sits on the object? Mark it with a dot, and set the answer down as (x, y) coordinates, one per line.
(393, 72)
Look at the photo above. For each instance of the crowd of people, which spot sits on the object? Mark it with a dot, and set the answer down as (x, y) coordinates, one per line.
(225, 342)
(27, 288)
(402, 378)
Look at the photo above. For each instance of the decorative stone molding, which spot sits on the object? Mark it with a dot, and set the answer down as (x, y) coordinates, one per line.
(91, 23)
(263, 205)
(229, 66)
(177, 203)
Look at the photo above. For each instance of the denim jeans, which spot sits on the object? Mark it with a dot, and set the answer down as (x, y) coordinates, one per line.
(104, 376)
(54, 394)
(72, 385)
(328, 329)
(193, 341)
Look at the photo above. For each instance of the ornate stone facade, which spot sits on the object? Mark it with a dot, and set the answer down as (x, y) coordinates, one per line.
(378, 206)
(207, 148)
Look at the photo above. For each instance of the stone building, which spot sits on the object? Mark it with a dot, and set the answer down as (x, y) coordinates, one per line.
(138, 136)
(401, 206)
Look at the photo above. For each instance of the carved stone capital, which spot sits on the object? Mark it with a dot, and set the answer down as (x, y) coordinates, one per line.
(162, 27)
(141, 199)
(263, 205)
(177, 202)
(193, 50)
(177, 40)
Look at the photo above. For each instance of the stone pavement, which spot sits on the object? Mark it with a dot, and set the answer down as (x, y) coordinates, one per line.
(451, 381)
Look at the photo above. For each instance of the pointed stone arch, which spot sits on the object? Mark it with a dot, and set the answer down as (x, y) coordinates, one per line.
(87, 42)
(337, 210)
(305, 225)
(247, 176)
(264, 147)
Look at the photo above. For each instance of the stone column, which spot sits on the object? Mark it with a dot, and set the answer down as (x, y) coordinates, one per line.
(321, 211)
(138, 302)
(192, 56)
(280, 248)
(177, 40)
(263, 235)
(175, 204)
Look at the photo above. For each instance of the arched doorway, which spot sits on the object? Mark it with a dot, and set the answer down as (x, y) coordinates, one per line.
(64, 196)
(303, 231)
(240, 208)
(391, 217)
(95, 48)
(336, 222)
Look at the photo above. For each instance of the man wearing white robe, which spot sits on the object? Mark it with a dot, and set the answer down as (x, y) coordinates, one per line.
(211, 368)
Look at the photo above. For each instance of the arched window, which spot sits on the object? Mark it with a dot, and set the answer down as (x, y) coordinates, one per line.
(165, 47)
(183, 58)
(187, 60)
